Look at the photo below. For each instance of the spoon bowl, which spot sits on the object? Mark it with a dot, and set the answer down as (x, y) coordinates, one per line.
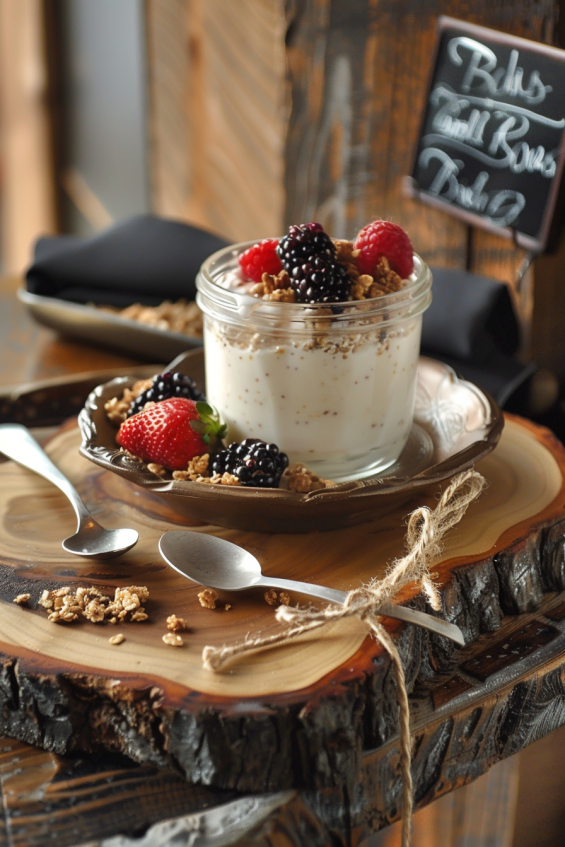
(92, 540)
(210, 561)
(217, 563)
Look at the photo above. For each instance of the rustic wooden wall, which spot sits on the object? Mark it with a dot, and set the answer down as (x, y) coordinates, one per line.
(217, 124)
(27, 192)
(267, 112)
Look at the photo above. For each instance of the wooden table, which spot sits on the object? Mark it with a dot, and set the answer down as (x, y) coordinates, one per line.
(506, 691)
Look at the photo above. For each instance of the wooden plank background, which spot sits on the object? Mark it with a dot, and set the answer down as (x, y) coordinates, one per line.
(309, 110)
(27, 179)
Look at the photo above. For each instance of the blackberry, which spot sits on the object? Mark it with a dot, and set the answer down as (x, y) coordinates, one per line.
(308, 255)
(163, 387)
(253, 462)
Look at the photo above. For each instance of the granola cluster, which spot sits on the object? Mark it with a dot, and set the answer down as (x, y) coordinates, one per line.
(66, 606)
(117, 407)
(172, 639)
(277, 598)
(363, 286)
(303, 480)
(197, 471)
(274, 287)
(176, 624)
(208, 598)
(22, 599)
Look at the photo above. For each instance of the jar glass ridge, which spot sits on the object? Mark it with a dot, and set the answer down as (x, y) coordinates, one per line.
(332, 385)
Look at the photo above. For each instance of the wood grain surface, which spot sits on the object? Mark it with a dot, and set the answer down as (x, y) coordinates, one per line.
(237, 730)
(76, 798)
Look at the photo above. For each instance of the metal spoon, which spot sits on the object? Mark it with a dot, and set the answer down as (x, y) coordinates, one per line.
(217, 563)
(91, 539)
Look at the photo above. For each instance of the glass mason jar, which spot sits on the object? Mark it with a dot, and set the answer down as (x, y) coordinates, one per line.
(332, 385)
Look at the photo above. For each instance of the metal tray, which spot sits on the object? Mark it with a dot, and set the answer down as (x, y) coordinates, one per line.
(108, 330)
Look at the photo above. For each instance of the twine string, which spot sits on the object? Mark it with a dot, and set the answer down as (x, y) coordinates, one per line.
(425, 532)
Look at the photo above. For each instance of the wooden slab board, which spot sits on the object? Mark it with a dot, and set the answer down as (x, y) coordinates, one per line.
(278, 718)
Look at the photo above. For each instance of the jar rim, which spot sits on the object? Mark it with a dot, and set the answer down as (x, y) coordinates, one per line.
(238, 248)
(409, 301)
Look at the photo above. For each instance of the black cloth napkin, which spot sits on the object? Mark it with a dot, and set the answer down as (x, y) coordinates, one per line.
(471, 326)
(143, 259)
(470, 317)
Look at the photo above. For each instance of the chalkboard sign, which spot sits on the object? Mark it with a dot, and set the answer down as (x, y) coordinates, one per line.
(491, 145)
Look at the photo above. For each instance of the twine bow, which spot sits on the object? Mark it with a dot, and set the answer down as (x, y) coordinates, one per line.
(424, 535)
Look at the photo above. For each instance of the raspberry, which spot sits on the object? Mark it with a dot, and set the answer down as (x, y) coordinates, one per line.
(172, 432)
(261, 259)
(309, 256)
(254, 462)
(383, 238)
(164, 386)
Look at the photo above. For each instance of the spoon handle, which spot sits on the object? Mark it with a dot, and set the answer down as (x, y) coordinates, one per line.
(17, 443)
(401, 613)
(331, 595)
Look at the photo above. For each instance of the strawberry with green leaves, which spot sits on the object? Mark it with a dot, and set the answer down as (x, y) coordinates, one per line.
(173, 432)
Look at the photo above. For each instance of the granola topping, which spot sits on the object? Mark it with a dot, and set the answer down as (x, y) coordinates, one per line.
(277, 287)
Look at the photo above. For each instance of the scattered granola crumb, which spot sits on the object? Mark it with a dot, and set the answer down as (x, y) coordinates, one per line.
(139, 615)
(208, 598)
(271, 597)
(173, 639)
(274, 598)
(117, 639)
(22, 599)
(91, 603)
(176, 624)
(158, 470)
(227, 607)
(304, 481)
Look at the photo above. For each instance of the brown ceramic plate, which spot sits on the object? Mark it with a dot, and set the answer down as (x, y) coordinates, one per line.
(455, 425)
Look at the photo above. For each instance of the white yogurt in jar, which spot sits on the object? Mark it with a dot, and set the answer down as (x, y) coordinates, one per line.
(339, 398)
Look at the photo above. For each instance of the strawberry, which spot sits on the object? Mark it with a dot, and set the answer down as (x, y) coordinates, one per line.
(172, 432)
(383, 238)
(261, 259)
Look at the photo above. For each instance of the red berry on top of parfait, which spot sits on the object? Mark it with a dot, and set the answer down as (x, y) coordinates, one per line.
(172, 432)
(261, 259)
(384, 238)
